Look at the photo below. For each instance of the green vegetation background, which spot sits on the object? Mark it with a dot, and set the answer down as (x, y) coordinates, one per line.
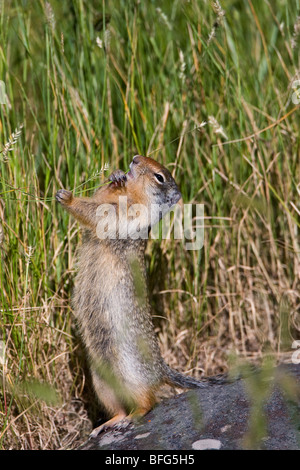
(88, 85)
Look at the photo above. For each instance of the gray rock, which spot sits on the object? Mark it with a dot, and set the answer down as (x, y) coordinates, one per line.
(259, 412)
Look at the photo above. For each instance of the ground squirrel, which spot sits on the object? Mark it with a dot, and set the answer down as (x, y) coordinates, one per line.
(110, 300)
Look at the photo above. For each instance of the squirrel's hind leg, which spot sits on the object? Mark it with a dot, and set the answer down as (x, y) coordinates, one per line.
(143, 403)
(109, 424)
(118, 419)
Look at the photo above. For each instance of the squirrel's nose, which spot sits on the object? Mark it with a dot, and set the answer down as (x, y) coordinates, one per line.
(137, 159)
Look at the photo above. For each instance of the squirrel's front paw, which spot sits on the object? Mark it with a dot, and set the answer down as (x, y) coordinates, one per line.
(118, 177)
(63, 196)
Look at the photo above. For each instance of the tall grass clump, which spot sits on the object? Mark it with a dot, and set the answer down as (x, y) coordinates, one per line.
(209, 89)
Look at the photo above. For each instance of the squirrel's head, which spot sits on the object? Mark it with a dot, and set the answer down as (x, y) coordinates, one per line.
(147, 195)
(154, 180)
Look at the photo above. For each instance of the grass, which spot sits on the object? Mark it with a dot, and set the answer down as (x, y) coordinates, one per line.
(89, 84)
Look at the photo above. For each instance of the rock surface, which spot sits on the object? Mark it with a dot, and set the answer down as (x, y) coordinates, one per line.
(260, 412)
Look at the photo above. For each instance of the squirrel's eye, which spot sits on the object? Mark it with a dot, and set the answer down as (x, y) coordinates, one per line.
(159, 177)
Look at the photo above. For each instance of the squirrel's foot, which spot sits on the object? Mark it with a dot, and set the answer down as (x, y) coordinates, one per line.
(118, 177)
(120, 421)
(63, 196)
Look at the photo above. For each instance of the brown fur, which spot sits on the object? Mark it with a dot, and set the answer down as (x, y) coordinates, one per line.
(113, 314)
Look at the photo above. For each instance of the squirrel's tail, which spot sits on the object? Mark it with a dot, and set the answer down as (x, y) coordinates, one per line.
(180, 380)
